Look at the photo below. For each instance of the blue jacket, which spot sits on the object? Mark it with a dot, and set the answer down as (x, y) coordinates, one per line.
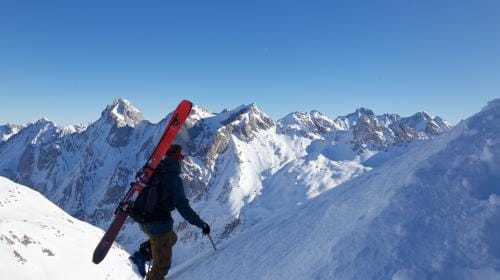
(172, 197)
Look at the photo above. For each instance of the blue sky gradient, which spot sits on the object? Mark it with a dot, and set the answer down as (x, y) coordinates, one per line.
(66, 60)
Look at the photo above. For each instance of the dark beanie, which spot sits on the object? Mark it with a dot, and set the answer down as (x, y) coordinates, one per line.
(175, 151)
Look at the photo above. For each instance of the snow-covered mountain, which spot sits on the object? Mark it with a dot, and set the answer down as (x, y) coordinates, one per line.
(38, 240)
(433, 213)
(7, 130)
(242, 165)
(364, 127)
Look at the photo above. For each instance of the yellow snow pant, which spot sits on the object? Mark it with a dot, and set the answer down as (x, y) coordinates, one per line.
(161, 248)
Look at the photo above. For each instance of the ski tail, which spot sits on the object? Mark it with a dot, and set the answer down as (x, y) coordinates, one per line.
(109, 237)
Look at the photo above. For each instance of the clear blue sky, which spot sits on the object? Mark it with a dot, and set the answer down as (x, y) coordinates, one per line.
(66, 60)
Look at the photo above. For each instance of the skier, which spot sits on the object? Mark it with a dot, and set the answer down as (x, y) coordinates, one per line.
(160, 229)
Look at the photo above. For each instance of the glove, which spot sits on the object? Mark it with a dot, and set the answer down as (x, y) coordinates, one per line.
(206, 229)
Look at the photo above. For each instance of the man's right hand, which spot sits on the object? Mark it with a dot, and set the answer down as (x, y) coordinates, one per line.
(206, 229)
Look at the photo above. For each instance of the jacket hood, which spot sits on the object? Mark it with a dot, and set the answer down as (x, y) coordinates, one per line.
(169, 165)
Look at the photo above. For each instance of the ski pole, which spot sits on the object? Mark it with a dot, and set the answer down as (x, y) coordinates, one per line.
(211, 242)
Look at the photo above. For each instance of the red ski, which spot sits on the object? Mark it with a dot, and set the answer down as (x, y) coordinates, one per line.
(141, 179)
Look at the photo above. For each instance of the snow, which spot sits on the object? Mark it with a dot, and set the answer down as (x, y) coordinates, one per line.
(310, 124)
(198, 113)
(40, 241)
(123, 113)
(432, 213)
(242, 166)
(8, 130)
(69, 129)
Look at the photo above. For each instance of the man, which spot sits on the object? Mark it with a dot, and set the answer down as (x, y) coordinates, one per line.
(160, 229)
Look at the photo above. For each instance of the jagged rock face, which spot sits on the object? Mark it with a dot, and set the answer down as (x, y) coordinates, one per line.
(68, 164)
(322, 123)
(230, 157)
(7, 131)
(419, 126)
(123, 113)
(246, 122)
(349, 121)
(298, 123)
(22, 153)
(311, 125)
(211, 136)
(368, 129)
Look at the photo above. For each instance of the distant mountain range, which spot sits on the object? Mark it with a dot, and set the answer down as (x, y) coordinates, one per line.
(242, 166)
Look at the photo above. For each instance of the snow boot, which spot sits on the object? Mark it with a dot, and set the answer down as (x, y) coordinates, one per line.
(140, 262)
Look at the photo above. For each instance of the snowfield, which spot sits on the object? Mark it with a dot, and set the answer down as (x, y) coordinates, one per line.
(432, 213)
(40, 241)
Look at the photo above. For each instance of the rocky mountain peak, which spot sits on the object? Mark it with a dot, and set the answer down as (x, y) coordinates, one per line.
(122, 112)
(243, 109)
(43, 120)
(350, 120)
(362, 111)
(42, 123)
(306, 124)
(246, 121)
(322, 122)
(443, 123)
(421, 116)
(299, 123)
(198, 113)
(9, 130)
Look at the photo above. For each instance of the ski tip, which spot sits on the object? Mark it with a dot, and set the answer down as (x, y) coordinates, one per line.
(187, 102)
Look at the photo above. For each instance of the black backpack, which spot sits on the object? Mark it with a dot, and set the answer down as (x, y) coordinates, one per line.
(145, 206)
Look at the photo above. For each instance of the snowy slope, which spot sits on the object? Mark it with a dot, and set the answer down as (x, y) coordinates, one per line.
(40, 241)
(433, 213)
